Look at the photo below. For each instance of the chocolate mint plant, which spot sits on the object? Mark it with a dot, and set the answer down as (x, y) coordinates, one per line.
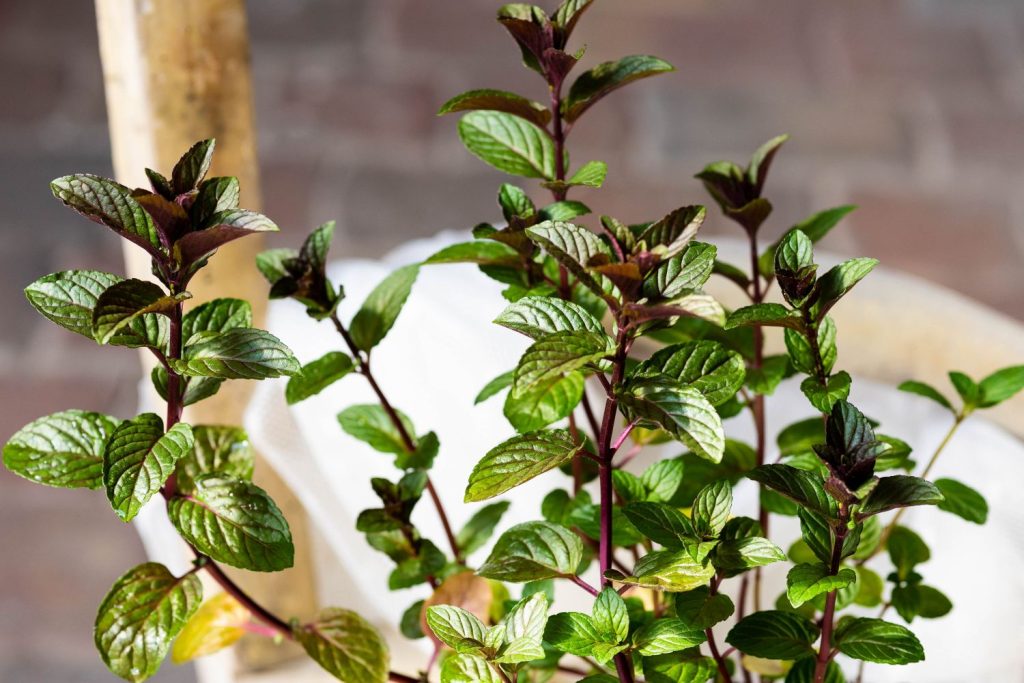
(626, 351)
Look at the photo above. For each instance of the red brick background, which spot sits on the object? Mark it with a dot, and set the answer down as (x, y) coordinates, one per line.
(913, 109)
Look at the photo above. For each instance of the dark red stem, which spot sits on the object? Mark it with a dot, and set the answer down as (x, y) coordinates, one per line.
(828, 619)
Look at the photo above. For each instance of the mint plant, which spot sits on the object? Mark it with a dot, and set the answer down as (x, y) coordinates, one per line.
(626, 351)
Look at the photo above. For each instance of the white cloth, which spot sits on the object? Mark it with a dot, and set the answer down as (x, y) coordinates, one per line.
(443, 349)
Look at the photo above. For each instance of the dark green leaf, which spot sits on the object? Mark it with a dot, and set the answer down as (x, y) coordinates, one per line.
(803, 672)
(69, 297)
(346, 646)
(480, 526)
(834, 284)
(699, 609)
(110, 204)
(801, 354)
(804, 488)
(215, 195)
(604, 78)
(518, 460)
(498, 100)
(711, 509)
(196, 388)
(538, 317)
(681, 410)
(138, 458)
(679, 668)
(64, 449)
(815, 227)
(509, 143)
(221, 228)
(661, 523)
(140, 616)
(317, 375)
(239, 353)
(380, 310)
(773, 634)
(125, 301)
(705, 365)
(962, 501)
(217, 450)
(906, 550)
(874, 640)
(192, 167)
(532, 551)
(766, 315)
(899, 491)
(218, 315)
(410, 625)
(670, 235)
(233, 522)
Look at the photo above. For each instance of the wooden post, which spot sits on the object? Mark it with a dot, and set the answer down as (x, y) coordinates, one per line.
(177, 71)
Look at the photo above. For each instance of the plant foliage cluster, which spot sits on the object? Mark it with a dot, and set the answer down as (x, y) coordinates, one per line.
(664, 541)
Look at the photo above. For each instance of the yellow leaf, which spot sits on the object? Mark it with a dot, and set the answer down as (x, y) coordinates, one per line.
(218, 623)
(766, 667)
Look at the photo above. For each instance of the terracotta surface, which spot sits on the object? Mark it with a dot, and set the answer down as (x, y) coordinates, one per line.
(914, 110)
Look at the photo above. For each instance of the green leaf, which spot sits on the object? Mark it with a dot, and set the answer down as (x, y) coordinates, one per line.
(410, 625)
(803, 672)
(515, 203)
(125, 301)
(919, 600)
(604, 78)
(568, 13)
(926, 390)
(532, 551)
(215, 195)
(481, 252)
(192, 167)
(663, 480)
(559, 354)
(346, 646)
(801, 354)
(823, 398)
(196, 388)
(661, 523)
(221, 228)
(736, 555)
(806, 581)
(519, 460)
(680, 410)
(577, 249)
(370, 423)
(538, 317)
(663, 636)
(480, 526)
(451, 625)
(509, 143)
(591, 174)
(874, 640)
(711, 508)
(218, 449)
(765, 315)
(669, 570)
(794, 253)
(495, 386)
(899, 491)
(1001, 385)
(138, 459)
(110, 204)
(380, 310)
(317, 375)
(233, 522)
(538, 406)
(524, 630)
(610, 616)
(833, 285)
(239, 353)
(140, 616)
(773, 634)
(671, 234)
(675, 668)
(804, 488)
(573, 633)
(906, 550)
(962, 500)
(64, 449)
(68, 298)
(465, 668)
(680, 274)
(498, 100)
(815, 227)
(707, 366)
(219, 315)
(869, 587)
(563, 211)
(698, 609)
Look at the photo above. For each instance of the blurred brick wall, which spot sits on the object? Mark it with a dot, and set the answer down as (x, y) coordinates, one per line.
(912, 110)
